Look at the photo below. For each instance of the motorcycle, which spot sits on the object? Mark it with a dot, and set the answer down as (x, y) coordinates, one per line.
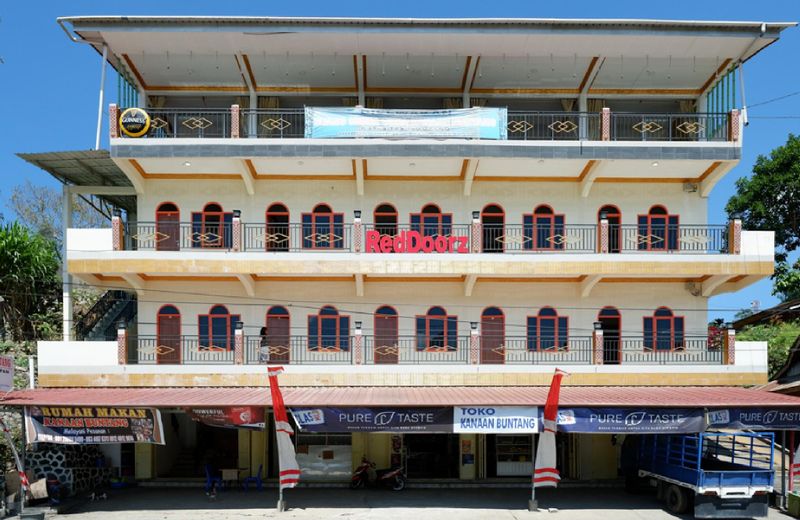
(366, 475)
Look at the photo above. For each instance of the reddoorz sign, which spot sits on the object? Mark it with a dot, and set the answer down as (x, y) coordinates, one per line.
(414, 242)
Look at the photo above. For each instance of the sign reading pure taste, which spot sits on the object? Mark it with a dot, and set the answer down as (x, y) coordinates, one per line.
(755, 418)
(631, 420)
(92, 425)
(398, 420)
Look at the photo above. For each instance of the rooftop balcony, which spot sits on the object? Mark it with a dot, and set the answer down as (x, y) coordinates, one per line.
(518, 125)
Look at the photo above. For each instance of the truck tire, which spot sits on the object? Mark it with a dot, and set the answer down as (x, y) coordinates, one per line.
(677, 499)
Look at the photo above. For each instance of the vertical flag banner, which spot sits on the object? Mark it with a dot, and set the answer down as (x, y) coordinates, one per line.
(545, 473)
(287, 460)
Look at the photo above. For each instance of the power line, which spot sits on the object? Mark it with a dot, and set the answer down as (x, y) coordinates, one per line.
(768, 101)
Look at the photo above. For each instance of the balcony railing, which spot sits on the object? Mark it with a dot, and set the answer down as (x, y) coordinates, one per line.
(521, 125)
(414, 350)
(426, 238)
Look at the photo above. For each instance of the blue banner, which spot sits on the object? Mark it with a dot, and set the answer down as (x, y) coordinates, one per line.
(756, 418)
(465, 123)
(357, 419)
(631, 420)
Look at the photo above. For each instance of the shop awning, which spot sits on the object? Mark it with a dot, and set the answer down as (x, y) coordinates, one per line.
(571, 396)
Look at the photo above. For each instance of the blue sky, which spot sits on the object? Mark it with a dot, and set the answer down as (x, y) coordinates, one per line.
(49, 85)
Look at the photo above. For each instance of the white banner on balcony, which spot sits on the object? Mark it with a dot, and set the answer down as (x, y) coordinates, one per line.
(465, 123)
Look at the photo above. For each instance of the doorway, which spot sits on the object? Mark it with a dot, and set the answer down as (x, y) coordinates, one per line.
(386, 342)
(276, 343)
(168, 335)
(493, 336)
(168, 231)
(432, 455)
(492, 223)
(610, 323)
(614, 217)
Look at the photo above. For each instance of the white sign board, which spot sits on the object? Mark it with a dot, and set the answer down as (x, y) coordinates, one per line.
(495, 419)
(6, 373)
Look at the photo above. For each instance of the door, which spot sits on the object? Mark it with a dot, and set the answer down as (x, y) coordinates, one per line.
(610, 323)
(432, 455)
(168, 350)
(278, 338)
(168, 231)
(492, 224)
(493, 337)
(386, 347)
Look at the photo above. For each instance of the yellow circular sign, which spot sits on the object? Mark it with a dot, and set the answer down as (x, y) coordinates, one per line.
(134, 122)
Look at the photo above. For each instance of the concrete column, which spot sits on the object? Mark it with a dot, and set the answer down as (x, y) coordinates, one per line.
(583, 122)
(602, 230)
(358, 232)
(236, 231)
(113, 121)
(605, 124)
(117, 232)
(597, 344)
(235, 121)
(252, 119)
(476, 233)
(729, 348)
(122, 343)
(735, 237)
(734, 125)
(66, 279)
(474, 344)
(238, 343)
(358, 344)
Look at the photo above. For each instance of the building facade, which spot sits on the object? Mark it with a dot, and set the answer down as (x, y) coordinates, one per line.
(405, 258)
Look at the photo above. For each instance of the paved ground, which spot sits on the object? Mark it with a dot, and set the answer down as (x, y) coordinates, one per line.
(416, 504)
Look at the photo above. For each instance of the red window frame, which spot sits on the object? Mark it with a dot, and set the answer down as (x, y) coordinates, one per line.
(160, 313)
(270, 246)
(446, 330)
(382, 225)
(538, 318)
(220, 231)
(649, 216)
(228, 331)
(439, 217)
(337, 317)
(655, 339)
(160, 213)
(314, 214)
(535, 217)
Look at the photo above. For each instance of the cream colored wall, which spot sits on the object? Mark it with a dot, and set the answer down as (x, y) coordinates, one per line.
(517, 300)
(409, 197)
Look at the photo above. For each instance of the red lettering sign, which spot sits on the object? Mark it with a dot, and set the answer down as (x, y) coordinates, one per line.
(414, 242)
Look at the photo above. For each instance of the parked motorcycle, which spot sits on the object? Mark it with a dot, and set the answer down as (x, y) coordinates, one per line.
(366, 475)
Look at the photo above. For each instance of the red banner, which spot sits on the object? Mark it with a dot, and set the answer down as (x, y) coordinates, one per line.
(248, 417)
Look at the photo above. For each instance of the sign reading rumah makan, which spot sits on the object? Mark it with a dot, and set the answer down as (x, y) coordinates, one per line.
(92, 425)
(414, 242)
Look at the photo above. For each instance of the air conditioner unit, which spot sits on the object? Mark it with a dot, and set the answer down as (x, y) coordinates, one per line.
(690, 187)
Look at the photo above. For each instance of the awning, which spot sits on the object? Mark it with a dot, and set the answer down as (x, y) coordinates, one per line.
(571, 396)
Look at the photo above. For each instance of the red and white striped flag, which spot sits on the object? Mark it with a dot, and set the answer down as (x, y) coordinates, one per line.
(545, 473)
(287, 460)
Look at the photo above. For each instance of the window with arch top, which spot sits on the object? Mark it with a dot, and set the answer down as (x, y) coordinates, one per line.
(658, 230)
(543, 229)
(323, 229)
(216, 328)
(212, 227)
(432, 222)
(663, 331)
(437, 331)
(547, 331)
(328, 330)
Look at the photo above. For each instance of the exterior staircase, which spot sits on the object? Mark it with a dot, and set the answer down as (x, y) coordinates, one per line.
(100, 323)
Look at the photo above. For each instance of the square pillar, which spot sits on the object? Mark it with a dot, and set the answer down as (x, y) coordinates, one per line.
(734, 125)
(605, 124)
(729, 348)
(113, 121)
(476, 233)
(235, 114)
(236, 231)
(597, 344)
(735, 237)
(474, 344)
(122, 343)
(602, 231)
(238, 344)
(117, 231)
(358, 344)
(358, 232)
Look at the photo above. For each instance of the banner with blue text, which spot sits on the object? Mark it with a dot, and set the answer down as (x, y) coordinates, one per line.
(464, 123)
(755, 418)
(631, 420)
(396, 420)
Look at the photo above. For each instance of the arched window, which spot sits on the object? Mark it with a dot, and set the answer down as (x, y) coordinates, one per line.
(658, 230)
(548, 331)
(493, 336)
(323, 229)
(328, 330)
(543, 229)
(431, 221)
(663, 331)
(168, 230)
(168, 335)
(385, 348)
(277, 237)
(216, 328)
(276, 337)
(614, 217)
(212, 227)
(493, 224)
(385, 218)
(436, 331)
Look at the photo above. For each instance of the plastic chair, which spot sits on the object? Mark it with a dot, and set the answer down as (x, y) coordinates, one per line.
(211, 481)
(254, 480)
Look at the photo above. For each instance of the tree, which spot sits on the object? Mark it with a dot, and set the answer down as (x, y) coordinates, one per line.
(40, 208)
(770, 200)
(779, 337)
(29, 284)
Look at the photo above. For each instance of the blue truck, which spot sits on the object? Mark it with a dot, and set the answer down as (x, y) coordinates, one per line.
(724, 475)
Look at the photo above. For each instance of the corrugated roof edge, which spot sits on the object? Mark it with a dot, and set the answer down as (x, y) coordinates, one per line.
(257, 20)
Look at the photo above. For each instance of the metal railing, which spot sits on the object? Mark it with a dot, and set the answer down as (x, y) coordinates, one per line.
(688, 350)
(387, 349)
(678, 238)
(526, 125)
(278, 237)
(177, 122)
(522, 125)
(98, 311)
(669, 127)
(177, 236)
(565, 238)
